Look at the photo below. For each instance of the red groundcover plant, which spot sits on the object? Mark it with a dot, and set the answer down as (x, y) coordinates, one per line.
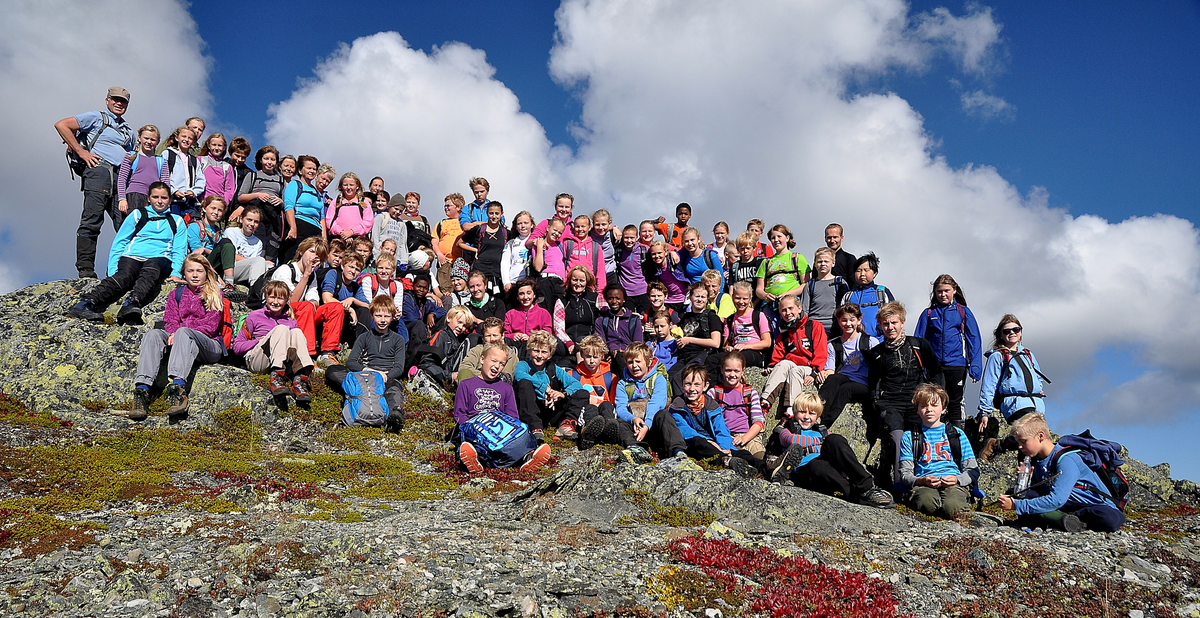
(788, 586)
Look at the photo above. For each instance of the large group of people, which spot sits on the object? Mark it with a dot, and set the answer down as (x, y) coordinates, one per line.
(569, 328)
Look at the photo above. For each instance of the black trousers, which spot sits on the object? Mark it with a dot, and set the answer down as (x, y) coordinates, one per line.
(549, 289)
(835, 469)
(956, 380)
(699, 448)
(663, 437)
(895, 417)
(1097, 517)
(535, 413)
(99, 186)
(144, 278)
(837, 392)
(304, 229)
(270, 230)
(637, 304)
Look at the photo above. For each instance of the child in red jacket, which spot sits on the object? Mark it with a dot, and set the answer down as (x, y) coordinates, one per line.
(799, 354)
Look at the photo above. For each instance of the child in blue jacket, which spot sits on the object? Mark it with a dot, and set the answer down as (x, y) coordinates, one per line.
(701, 423)
(1012, 383)
(149, 248)
(546, 393)
(1074, 500)
(642, 423)
(868, 295)
(950, 327)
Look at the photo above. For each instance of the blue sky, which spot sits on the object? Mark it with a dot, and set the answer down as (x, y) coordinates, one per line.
(1105, 93)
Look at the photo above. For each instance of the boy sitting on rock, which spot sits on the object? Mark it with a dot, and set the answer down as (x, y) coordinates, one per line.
(1074, 500)
(490, 433)
(546, 393)
(701, 423)
(642, 422)
(936, 461)
(823, 461)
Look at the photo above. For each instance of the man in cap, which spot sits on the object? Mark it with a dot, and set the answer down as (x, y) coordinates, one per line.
(100, 140)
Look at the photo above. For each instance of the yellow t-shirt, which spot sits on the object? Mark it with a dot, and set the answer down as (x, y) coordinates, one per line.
(449, 231)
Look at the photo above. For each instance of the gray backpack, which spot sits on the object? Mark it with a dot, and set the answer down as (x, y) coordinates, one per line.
(365, 405)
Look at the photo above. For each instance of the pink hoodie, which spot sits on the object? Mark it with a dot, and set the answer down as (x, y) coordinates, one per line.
(349, 215)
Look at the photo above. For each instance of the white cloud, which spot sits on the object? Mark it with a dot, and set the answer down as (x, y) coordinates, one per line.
(425, 122)
(987, 106)
(742, 113)
(60, 57)
(971, 39)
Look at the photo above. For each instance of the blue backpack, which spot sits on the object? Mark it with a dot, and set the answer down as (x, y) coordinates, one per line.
(1104, 458)
(501, 439)
(365, 405)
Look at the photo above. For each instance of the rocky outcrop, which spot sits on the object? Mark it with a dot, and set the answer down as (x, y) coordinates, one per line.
(283, 516)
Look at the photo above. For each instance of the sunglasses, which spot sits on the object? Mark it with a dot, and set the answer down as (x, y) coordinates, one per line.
(1011, 331)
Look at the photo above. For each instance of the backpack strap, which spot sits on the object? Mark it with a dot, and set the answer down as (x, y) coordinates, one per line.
(568, 246)
(708, 258)
(147, 217)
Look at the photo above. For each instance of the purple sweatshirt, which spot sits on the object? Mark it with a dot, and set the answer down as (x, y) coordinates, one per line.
(257, 325)
(147, 172)
(190, 312)
(477, 395)
(619, 330)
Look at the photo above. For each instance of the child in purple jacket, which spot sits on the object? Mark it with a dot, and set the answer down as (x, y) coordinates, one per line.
(192, 332)
(490, 432)
(272, 344)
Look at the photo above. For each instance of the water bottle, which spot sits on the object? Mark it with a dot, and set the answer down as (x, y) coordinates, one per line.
(1025, 474)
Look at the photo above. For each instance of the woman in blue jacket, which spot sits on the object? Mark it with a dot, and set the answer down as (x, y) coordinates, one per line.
(1013, 383)
(950, 328)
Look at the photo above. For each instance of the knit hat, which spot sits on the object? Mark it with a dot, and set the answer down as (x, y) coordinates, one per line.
(460, 269)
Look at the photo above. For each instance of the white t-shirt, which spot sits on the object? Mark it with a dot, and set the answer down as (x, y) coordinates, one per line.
(290, 274)
(246, 246)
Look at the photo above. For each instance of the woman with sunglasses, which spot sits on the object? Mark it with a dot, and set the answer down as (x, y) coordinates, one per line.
(1012, 383)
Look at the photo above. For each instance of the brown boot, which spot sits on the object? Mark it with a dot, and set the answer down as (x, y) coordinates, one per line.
(990, 449)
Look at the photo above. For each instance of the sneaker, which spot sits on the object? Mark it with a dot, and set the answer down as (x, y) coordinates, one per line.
(279, 383)
(536, 458)
(637, 455)
(877, 498)
(989, 449)
(569, 429)
(787, 464)
(130, 313)
(539, 435)
(301, 390)
(83, 310)
(593, 432)
(681, 455)
(469, 458)
(141, 405)
(233, 294)
(742, 468)
(328, 358)
(177, 400)
(1071, 523)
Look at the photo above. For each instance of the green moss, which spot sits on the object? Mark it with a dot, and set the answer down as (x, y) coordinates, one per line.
(213, 505)
(654, 513)
(94, 405)
(14, 412)
(353, 438)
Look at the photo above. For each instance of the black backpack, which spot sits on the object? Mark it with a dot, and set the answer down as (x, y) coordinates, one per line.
(839, 353)
(754, 319)
(418, 237)
(148, 215)
(1027, 371)
(254, 299)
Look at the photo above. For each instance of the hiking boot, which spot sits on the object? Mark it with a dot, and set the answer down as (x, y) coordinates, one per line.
(611, 433)
(469, 458)
(279, 383)
(328, 358)
(742, 468)
(141, 405)
(301, 390)
(989, 449)
(536, 458)
(177, 400)
(130, 313)
(84, 310)
(877, 498)
(788, 463)
(1071, 523)
(636, 454)
(539, 435)
(593, 432)
(233, 294)
(569, 429)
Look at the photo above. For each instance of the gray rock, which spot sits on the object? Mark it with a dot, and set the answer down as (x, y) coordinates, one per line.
(981, 558)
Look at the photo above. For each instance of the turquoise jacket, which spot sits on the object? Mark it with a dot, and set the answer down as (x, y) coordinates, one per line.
(155, 240)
